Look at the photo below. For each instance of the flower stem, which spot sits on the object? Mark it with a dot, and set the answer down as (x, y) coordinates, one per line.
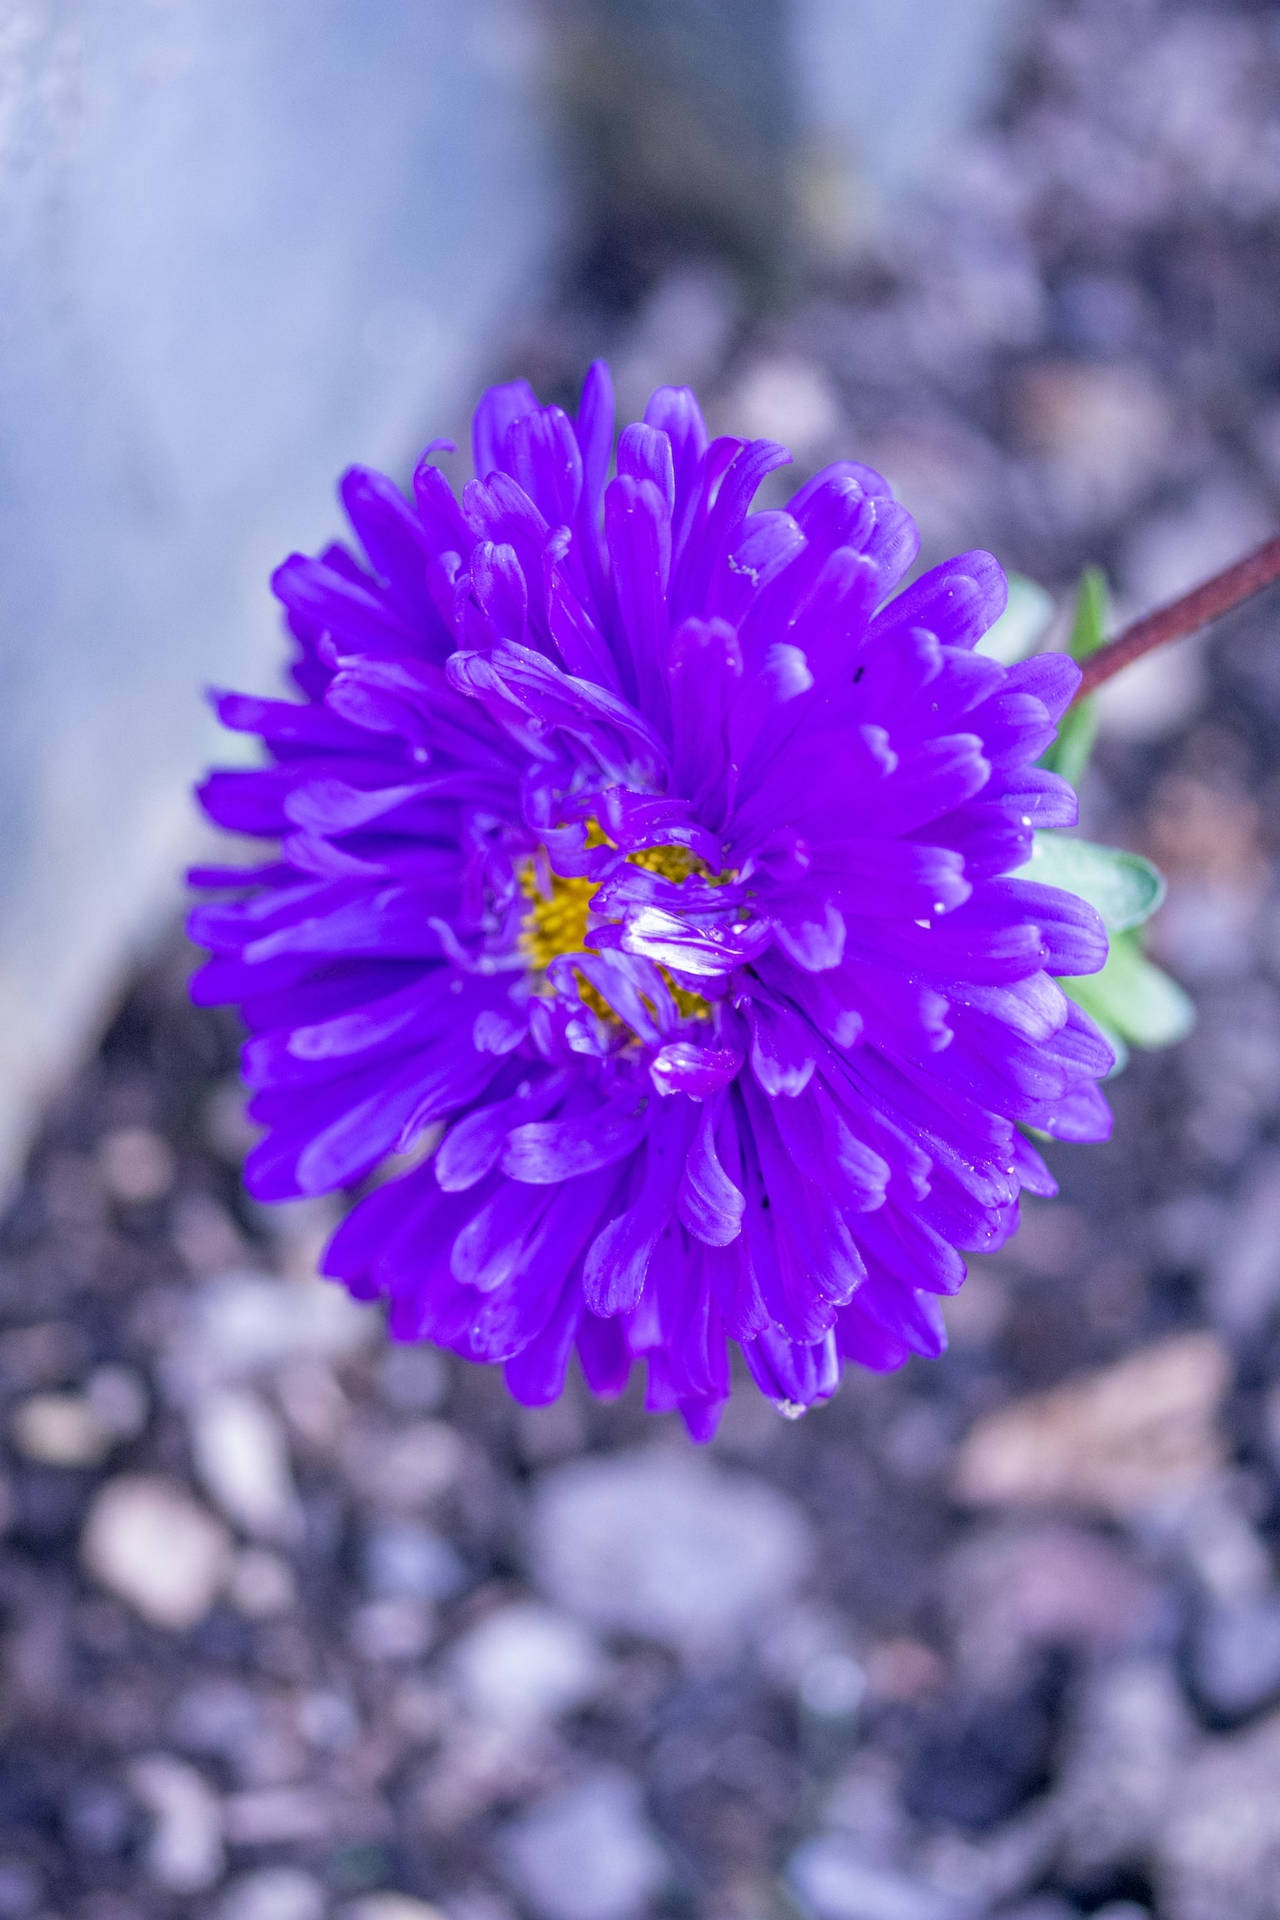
(1230, 588)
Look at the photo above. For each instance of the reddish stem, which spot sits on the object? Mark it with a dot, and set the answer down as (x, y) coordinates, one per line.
(1228, 589)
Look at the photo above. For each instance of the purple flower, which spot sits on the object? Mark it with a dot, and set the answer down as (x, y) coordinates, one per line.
(645, 851)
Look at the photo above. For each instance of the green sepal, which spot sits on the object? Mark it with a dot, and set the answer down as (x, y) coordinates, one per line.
(1089, 622)
(1125, 888)
(1070, 752)
(1134, 998)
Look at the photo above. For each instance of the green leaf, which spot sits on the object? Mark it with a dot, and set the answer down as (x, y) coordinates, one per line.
(1069, 754)
(1022, 625)
(1134, 998)
(1089, 624)
(1125, 888)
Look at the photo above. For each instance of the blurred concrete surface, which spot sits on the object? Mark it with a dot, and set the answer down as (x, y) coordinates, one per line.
(770, 129)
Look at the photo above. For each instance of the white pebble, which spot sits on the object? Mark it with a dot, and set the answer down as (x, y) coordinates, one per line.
(59, 1430)
(136, 1164)
(390, 1906)
(273, 1893)
(586, 1852)
(391, 1630)
(667, 1545)
(184, 1852)
(240, 1455)
(525, 1664)
(242, 1324)
(155, 1547)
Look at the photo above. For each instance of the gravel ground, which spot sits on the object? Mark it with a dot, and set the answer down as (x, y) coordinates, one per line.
(299, 1626)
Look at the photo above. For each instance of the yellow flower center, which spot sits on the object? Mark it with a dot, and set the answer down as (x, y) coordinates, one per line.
(556, 921)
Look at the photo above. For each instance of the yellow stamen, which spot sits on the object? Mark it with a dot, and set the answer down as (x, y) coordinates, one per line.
(556, 922)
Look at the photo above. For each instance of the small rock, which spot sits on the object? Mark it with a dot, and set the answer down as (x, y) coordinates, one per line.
(1235, 1658)
(136, 1164)
(865, 1802)
(150, 1543)
(405, 1468)
(478, 1769)
(832, 1686)
(389, 1906)
(1119, 1441)
(273, 1893)
(586, 1852)
(328, 1721)
(59, 1430)
(524, 1664)
(218, 1716)
(836, 1883)
(391, 1630)
(240, 1454)
(983, 1871)
(1128, 1745)
(242, 1324)
(902, 1669)
(261, 1584)
(1022, 1585)
(1217, 1851)
(406, 1561)
(666, 1545)
(313, 1403)
(184, 1853)
(1214, 1537)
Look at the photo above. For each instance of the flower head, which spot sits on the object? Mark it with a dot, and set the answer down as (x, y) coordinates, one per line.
(644, 851)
